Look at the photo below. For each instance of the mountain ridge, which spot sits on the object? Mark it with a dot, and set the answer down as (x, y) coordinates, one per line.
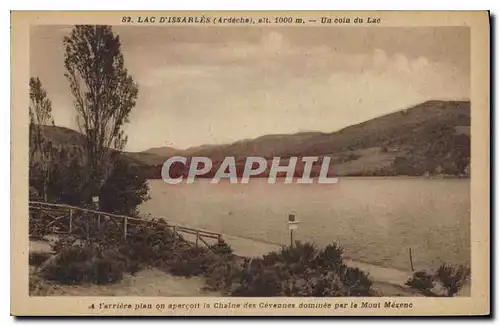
(425, 138)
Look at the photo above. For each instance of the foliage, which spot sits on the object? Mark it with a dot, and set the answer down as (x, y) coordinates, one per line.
(100, 259)
(421, 280)
(122, 193)
(37, 258)
(76, 263)
(124, 190)
(302, 270)
(191, 261)
(452, 278)
(223, 274)
(69, 176)
(37, 228)
(222, 248)
(40, 113)
(104, 94)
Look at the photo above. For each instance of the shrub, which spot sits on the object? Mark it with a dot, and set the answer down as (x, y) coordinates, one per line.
(355, 281)
(84, 263)
(69, 265)
(330, 257)
(328, 284)
(421, 281)
(452, 278)
(223, 274)
(103, 260)
(302, 270)
(109, 267)
(259, 282)
(37, 228)
(192, 261)
(37, 258)
(222, 248)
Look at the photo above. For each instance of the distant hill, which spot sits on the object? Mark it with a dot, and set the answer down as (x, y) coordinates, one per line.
(426, 139)
(162, 151)
(65, 137)
(429, 138)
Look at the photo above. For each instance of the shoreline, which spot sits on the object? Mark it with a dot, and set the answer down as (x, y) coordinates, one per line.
(413, 177)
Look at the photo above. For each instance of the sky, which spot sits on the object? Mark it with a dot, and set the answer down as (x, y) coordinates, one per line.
(218, 85)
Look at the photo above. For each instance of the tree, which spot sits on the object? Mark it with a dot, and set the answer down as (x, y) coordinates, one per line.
(68, 177)
(40, 113)
(104, 95)
(124, 190)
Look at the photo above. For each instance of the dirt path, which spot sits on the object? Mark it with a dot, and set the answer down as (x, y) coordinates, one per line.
(147, 282)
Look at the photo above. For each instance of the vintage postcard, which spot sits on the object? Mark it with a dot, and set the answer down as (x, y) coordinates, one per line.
(250, 163)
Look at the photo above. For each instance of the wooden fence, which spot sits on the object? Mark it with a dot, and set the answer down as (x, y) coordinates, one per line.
(83, 222)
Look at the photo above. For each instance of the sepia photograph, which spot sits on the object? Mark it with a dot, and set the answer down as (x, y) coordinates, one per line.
(229, 155)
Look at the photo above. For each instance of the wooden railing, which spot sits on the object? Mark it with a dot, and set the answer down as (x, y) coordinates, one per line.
(84, 222)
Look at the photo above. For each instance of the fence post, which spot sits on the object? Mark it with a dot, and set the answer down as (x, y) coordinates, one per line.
(125, 228)
(197, 237)
(411, 260)
(70, 220)
(98, 221)
(174, 230)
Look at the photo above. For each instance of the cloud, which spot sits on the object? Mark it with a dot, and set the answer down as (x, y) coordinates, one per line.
(219, 86)
(379, 59)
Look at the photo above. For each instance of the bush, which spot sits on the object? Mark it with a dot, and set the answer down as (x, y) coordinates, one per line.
(223, 274)
(421, 281)
(355, 282)
(258, 281)
(102, 260)
(222, 248)
(330, 257)
(37, 258)
(109, 267)
(192, 261)
(37, 228)
(452, 278)
(302, 270)
(84, 263)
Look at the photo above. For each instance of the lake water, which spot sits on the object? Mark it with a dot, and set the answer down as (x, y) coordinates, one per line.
(376, 220)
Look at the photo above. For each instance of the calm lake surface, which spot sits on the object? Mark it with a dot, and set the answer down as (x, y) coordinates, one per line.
(376, 220)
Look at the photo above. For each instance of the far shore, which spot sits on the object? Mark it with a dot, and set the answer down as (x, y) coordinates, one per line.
(281, 179)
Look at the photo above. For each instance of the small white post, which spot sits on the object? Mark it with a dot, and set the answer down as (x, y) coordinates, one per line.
(125, 227)
(292, 225)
